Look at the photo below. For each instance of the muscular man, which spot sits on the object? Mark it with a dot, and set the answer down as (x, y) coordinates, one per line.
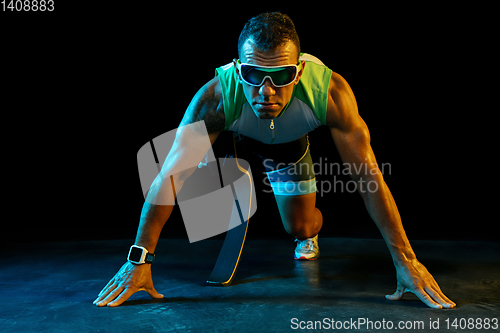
(271, 98)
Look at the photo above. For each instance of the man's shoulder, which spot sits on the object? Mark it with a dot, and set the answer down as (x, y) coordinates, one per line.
(342, 109)
(207, 105)
(212, 90)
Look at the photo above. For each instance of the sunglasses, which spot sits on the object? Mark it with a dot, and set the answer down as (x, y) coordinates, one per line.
(280, 76)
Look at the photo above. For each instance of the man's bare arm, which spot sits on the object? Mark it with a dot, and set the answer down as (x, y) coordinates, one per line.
(206, 105)
(352, 139)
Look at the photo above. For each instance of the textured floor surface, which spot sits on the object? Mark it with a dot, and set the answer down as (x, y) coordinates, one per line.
(50, 288)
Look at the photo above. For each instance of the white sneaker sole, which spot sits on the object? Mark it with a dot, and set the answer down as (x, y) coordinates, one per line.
(306, 258)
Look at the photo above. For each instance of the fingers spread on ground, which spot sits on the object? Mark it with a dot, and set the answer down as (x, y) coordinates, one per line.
(424, 297)
(122, 297)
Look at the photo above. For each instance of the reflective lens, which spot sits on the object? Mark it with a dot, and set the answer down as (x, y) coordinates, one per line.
(279, 76)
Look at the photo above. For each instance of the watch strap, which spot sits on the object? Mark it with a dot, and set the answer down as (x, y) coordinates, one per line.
(150, 257)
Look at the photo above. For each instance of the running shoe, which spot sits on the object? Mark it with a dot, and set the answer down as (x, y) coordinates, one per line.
(307, 249)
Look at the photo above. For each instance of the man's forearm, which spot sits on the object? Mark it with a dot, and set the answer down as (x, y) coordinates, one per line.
(153, 218)
(384, 212)
(158, 207)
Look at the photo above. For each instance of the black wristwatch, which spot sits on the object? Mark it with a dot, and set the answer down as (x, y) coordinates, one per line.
(140, 255)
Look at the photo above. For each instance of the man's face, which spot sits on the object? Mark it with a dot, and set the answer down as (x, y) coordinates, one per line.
(267, 101)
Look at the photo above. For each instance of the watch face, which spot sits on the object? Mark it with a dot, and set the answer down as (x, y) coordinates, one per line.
(135, 254)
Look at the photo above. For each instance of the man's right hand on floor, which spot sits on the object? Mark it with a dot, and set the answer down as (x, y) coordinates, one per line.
(129, 280)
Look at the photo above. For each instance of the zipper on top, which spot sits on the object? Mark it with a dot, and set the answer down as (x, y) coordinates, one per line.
(271, 126)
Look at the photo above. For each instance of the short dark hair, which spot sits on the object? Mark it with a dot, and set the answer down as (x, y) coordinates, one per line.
(269, 31)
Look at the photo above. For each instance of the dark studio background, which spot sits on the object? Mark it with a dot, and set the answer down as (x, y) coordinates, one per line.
(87, 87)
